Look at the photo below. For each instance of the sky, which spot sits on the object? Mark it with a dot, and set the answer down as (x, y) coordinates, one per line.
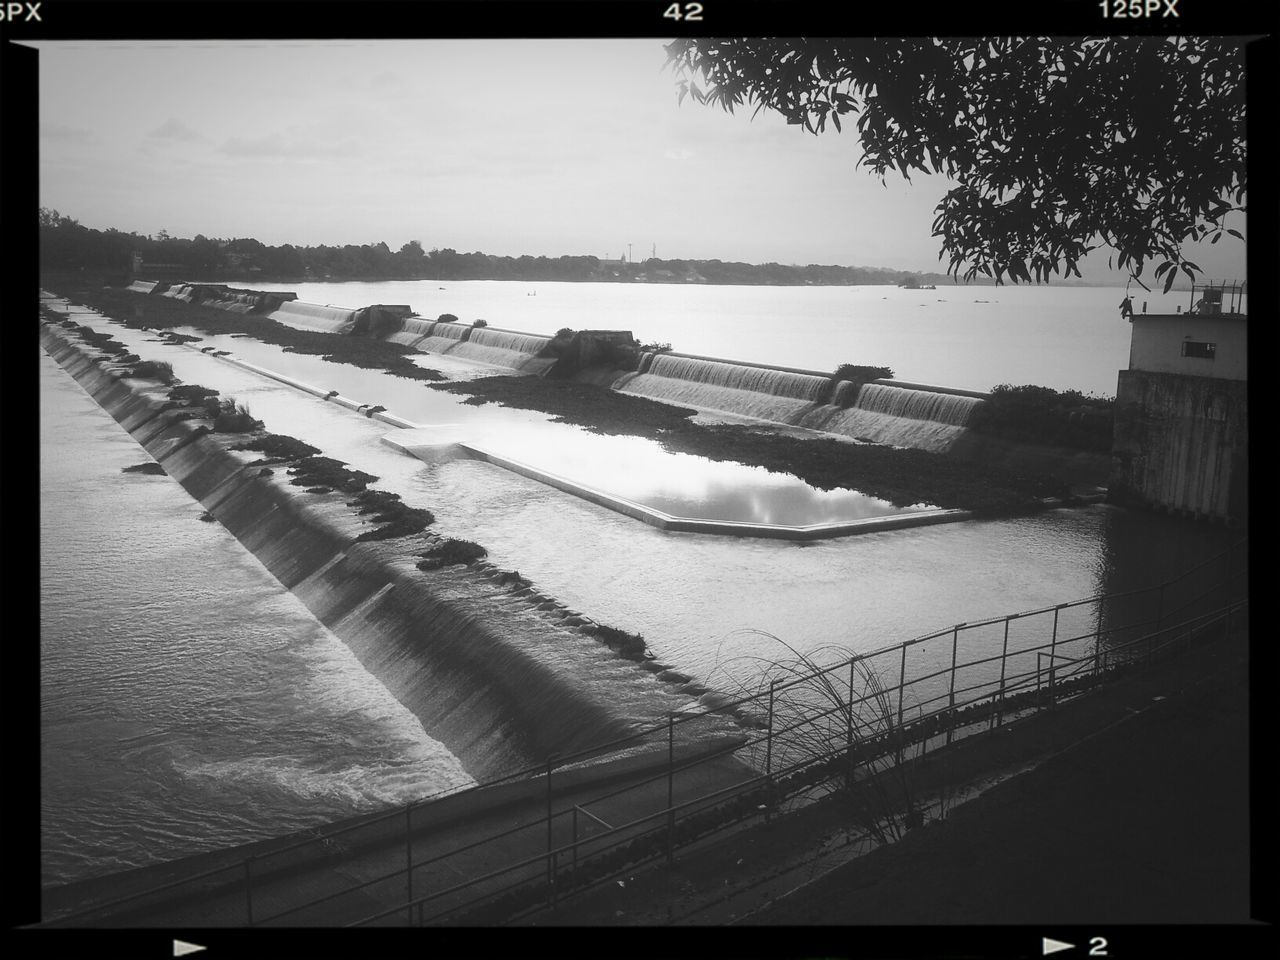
(541, 147)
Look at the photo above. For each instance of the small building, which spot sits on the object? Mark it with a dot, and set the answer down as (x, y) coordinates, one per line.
(1181, 440)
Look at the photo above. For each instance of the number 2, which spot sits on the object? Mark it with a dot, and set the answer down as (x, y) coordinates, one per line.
(1098, 947)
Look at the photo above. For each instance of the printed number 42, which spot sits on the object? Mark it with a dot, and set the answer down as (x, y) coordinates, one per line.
(686, 11)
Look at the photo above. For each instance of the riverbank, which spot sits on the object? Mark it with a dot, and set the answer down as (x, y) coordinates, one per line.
(903, 477)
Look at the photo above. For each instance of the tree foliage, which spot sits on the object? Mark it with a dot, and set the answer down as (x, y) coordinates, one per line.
(1057, 145)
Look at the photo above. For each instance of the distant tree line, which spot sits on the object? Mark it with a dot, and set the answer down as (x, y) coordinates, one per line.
(67, 244)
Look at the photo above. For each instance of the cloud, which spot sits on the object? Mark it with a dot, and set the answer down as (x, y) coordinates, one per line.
(289, 146)
(174, 129)
(58, 131)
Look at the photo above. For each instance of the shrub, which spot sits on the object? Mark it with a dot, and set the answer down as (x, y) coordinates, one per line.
(450, 551)
(655, 347)
(480, 323)
(154, 370)
(325, 471)
(862, 374)
(234, 418)
(192, 393)
(629, 645)
(279, 446)
(564, 332)
(400, 520)
(447, 318)
(1034, 414)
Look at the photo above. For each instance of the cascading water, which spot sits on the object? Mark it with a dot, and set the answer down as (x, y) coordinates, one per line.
(503, 348)
(923, 419)
(763, 392)
(413, 330)
(312, 316)
(444, 336)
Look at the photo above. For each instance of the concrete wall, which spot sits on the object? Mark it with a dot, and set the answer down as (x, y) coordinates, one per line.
(1158, 338)
(1182, 443)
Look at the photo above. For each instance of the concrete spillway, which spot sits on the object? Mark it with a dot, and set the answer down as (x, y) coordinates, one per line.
(496, 675)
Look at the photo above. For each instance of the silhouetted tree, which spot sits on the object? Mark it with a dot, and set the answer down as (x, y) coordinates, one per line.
(1058, 145)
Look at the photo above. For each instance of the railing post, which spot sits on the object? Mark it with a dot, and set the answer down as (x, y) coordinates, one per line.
(951, 696)
(1053, 647)
(248, 891)
(1097, 640)
(902, 689)
(1004, 659)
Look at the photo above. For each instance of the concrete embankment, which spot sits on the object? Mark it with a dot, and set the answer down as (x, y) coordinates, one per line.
(500, 674)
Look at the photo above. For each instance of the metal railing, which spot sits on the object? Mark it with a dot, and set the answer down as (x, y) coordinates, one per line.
(810, 726)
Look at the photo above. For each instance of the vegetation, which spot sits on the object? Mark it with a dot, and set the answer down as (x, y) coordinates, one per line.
(480, 323)
(627, 644)
(841, 724)
(327, 472)
(192, 394)
(449, 551)
(1058, 145)
(1031, 414)
(859, 376)
(398, 519)
(67, 244)
(232, 417)
(278, 446)
(154, 370)
(446, 318)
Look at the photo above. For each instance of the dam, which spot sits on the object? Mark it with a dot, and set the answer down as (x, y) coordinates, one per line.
(598, 566)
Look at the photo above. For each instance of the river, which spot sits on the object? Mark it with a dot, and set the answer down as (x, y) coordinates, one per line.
(970, 337)
(174, 721)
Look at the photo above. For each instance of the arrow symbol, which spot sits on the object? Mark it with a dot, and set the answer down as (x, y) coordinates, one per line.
(181, 948)
(1053, 946)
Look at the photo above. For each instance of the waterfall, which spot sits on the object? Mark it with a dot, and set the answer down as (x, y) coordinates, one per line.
(764, 392)
(444, 336)
(312, 316)
(505, 348)
(413, 330)
(924, 419)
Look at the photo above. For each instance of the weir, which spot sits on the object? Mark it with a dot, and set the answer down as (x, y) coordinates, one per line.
(444, 336)
(899, 413)
(502, 676)
(311, 316)
(505, 348)
(922, 419)
(762, 392)
(896, 412)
